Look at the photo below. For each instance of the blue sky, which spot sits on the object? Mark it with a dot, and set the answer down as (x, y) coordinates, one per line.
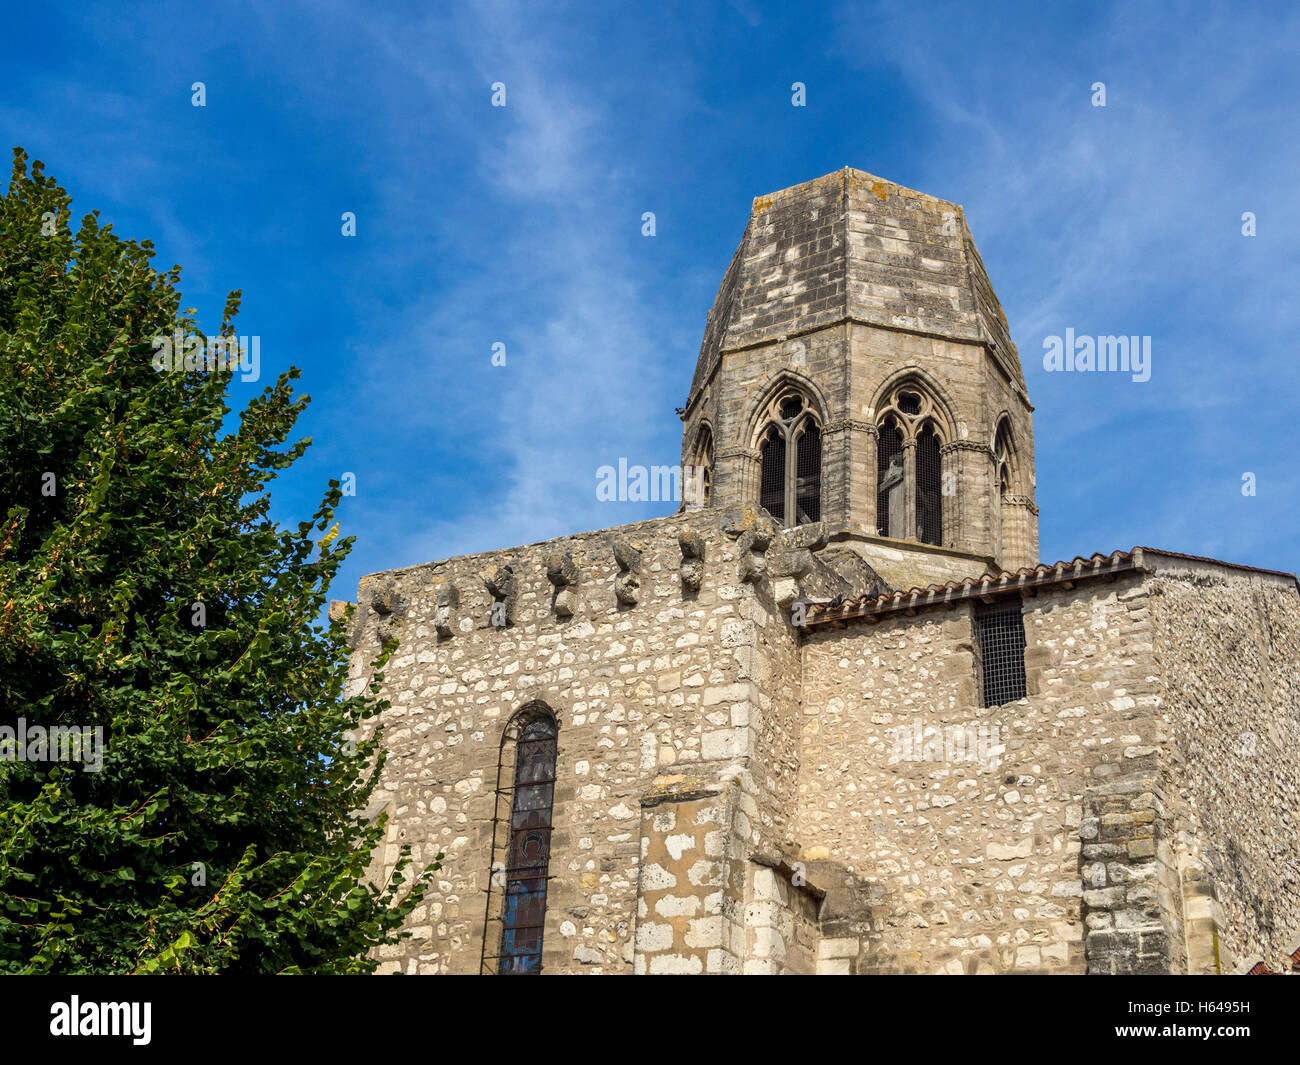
(522, 225)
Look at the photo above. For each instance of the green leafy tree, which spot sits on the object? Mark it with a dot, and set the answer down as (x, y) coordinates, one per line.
(144, 590)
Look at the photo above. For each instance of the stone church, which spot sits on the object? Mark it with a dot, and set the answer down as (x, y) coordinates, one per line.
(834, 715)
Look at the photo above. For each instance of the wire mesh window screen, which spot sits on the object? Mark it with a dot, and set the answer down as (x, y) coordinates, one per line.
(929, 479)
(808, 475)
(1002, 458)
(524, 878)
(888, 452)
(1000, 637)
(771, 494)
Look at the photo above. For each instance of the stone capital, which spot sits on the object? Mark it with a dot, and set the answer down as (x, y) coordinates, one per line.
(1021, 501)
(964, 445)
(850, 424)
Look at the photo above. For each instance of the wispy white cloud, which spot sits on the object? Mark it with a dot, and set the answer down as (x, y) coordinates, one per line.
(1124, 219)
(585, 379)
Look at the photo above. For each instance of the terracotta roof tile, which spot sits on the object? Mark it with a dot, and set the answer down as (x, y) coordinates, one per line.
(1077, 568)
(987, 584)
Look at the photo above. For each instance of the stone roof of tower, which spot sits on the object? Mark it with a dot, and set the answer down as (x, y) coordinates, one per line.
(853, 246)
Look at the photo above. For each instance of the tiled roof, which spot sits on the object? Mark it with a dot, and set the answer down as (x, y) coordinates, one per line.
(1260, 969)
(991, 584)
(1079, 568)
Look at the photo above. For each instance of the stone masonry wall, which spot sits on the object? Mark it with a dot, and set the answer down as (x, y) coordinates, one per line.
(734, 798)
(1227, 642)
(674, 686)
(933, 858)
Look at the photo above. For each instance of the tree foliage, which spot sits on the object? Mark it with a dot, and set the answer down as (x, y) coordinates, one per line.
(222, 832)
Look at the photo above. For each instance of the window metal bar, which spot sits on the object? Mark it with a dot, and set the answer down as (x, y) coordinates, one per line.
(890, 447)
(1000, 637)
(929, 482)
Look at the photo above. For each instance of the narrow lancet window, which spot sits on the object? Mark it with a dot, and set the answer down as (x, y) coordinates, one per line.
(890, 502)
(929, 488)
(808, 475)
(520, 879)
(772, 493)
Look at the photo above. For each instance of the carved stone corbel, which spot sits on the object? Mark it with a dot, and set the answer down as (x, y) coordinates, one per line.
(562, 572)
(628, 581)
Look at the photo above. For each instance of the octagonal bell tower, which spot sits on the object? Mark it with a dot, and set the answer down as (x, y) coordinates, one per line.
(857, 369)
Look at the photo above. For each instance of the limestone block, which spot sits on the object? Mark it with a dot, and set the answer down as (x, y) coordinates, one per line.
(738, 520)
(389, 628)
(626, 584)
(691, 543)
(561, 570)
(626, 587)
(751, 568)
(501, 582)
(388, 600)
(444, 616)
(692, 568)
(789, 562)
(627, 556)
(811, 537)
(1004, 852)
(566, 603)
(759, 535)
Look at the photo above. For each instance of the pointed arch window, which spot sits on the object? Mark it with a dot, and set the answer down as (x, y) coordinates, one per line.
(516, 906)
(701, 472)
(790, 460)
(771, 495)
(697, 474)
(1004, 474)
(929, 483)
(1002, 459)
(909, 465)
(808, 474)
(889, 473)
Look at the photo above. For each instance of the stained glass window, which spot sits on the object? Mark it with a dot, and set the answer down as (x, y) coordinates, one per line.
(528, 849)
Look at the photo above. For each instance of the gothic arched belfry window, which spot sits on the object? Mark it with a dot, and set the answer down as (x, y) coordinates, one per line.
(1004, 457)
(890, 479)
(700, 475)
(790, 459)
(516, 905)
(929, 482)
(909, 466)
